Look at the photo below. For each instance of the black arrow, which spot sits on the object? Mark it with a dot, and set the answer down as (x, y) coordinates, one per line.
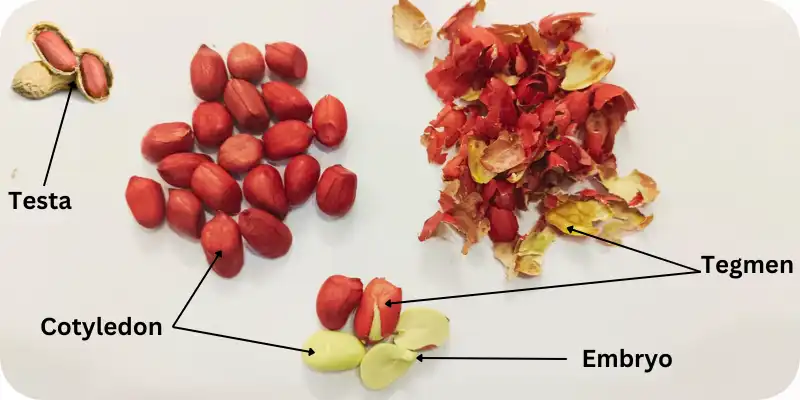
(572, 229)
(217, 256)
(635, 278)
(60, 124)
(309, 351)
(420, 358)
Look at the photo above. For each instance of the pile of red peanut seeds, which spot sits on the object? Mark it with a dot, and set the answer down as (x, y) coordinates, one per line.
(232, 99)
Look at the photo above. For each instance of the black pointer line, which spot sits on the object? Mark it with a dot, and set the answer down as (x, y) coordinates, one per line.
(572, 229)
(420, 358)
(635, 278)
(309, 351)
(60, 124)
(218, 255)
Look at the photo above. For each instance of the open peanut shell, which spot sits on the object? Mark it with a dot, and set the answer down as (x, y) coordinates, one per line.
(43, 27)
(35, 81)
(81, 81)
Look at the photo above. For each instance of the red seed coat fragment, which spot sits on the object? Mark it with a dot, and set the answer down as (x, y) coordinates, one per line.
(532, 118)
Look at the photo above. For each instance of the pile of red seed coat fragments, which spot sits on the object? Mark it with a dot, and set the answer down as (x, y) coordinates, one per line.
(232, 99)
(527, 118)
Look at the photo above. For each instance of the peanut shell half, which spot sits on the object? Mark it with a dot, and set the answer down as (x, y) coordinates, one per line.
(35, 81)
(49, 26)
(79, 80)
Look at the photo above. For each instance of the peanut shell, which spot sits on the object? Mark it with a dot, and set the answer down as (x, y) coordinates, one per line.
(49, 26)
(80, 81)
(35, 81)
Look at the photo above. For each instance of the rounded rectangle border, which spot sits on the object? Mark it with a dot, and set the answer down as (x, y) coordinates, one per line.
(7, 7)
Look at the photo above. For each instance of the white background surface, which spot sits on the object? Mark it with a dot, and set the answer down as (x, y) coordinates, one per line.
(70, 156)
